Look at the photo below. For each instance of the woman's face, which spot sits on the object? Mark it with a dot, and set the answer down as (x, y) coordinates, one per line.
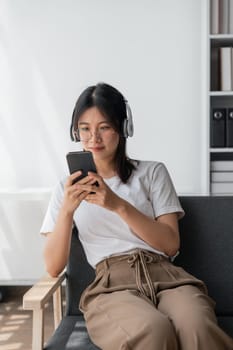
(97, 135)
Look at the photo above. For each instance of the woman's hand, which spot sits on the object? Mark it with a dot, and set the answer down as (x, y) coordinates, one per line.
(101, 195)
(74, 194)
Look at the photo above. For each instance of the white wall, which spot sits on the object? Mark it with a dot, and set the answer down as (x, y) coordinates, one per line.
(51, 50)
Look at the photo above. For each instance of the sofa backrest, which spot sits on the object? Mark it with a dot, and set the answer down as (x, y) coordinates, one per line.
(206, 251)
(207, 246)
(78, 275)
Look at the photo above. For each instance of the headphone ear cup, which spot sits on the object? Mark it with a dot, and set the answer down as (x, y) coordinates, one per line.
(128, 123)
(130, 127)
(125, 128)
(73, 134)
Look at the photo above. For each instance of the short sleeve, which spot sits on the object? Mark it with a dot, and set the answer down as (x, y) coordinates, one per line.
(163, 194)
(53, 208)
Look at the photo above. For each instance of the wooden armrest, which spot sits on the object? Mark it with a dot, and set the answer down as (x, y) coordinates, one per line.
(36, 298)
(38, 295)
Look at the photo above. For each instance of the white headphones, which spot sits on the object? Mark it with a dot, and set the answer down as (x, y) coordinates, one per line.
(128, 122)
(127, 126)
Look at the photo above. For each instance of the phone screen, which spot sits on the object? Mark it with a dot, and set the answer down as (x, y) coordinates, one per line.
(83, 161)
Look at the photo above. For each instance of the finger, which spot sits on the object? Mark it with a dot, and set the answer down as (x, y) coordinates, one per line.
(87, 187)
(82, 196)
(91, 198)
(95, 176)
(72, 177)
(85, 180)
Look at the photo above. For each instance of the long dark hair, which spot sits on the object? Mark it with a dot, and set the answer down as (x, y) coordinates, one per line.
(112, 104)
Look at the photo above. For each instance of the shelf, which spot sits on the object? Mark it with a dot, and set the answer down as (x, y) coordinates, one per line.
(219, 150)
(221, 36)
(219, 74)
(221, 93)
(221, 40)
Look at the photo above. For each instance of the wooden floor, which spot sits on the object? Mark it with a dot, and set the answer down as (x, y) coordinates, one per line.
(16, 323)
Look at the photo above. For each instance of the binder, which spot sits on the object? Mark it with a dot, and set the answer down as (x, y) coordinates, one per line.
(229, 128)
(218, 127)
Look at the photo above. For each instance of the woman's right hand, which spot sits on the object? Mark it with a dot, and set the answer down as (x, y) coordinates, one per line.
(73, 195)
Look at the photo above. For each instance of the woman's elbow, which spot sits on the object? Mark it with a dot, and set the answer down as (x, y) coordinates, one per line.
(53, 271)
(52, 267)
(173, 247)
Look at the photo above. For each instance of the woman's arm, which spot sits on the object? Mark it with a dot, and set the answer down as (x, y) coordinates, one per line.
(161, 234)
(57, 246)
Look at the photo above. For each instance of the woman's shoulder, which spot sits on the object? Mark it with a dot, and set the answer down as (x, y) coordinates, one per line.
(148, 166)
(58, 188)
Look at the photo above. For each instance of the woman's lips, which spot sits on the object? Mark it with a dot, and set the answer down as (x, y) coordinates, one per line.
(96, 149)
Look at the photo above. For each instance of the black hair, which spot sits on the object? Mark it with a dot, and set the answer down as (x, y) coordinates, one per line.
(112, 104)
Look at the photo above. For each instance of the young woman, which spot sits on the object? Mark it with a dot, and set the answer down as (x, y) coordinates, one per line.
(128, 226)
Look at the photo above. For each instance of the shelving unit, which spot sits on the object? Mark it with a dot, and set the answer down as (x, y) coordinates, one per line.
(220, 156)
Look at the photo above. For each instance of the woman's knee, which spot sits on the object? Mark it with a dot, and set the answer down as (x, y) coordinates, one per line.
(158, 332)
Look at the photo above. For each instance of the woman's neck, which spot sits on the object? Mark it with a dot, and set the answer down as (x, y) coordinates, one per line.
(106, 169)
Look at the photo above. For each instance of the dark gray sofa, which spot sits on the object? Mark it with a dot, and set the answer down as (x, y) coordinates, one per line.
(206, 251)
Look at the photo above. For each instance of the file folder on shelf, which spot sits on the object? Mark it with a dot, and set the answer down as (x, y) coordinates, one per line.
(218, 127)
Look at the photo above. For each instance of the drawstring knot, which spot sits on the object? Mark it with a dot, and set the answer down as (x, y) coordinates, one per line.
(139, 260)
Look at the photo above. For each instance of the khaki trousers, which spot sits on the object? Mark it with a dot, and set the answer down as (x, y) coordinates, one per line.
(141, 301)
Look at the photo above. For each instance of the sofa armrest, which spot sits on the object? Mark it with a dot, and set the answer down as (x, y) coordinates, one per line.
(36, 298)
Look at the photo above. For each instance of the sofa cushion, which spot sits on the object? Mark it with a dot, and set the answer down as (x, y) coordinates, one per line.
(71, 334)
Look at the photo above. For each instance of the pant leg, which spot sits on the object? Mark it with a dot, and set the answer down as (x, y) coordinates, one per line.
(125, 320)
(192, 314)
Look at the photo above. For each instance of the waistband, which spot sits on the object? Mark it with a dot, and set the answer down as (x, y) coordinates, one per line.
(138, 259)
(130, 257)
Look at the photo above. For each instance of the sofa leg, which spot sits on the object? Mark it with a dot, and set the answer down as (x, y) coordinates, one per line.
(38, 329)
(57, 306)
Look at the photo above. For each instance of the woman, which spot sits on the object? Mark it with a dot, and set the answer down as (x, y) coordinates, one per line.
(128, 226)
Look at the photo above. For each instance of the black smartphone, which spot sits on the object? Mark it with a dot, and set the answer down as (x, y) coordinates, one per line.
(81, 160)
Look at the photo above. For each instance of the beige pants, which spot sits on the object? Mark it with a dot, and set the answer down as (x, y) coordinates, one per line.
(143, 302)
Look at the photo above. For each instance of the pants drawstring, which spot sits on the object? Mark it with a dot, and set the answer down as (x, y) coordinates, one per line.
(140, 260)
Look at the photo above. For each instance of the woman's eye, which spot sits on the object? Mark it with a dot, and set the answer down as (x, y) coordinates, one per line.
(105, 127)
(84, 129)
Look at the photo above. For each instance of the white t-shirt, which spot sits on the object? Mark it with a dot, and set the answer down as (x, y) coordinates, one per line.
(102, 232)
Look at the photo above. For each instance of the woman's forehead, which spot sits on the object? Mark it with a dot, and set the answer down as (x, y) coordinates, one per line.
(93, 115)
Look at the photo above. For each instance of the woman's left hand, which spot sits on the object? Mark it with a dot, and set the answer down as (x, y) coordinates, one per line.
(101, 195)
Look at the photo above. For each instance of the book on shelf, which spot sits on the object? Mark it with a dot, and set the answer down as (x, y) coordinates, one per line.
(222, 176)
(226, 68)
(214, 16)
(221, 165)
(224, 16)
(221, 187)
(231, 67)
(221, 16)
(231, 17)
(215, 69)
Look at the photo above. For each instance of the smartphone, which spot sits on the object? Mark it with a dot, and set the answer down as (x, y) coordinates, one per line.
(82, 160)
